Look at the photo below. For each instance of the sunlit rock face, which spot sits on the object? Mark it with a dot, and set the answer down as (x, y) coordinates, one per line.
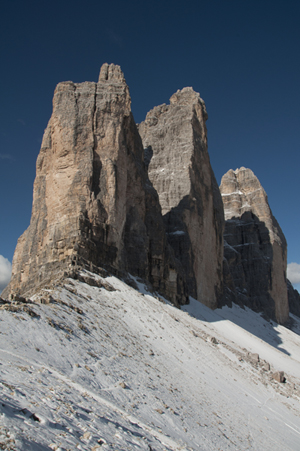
(175, 141)
(254, 246)
(93, 203)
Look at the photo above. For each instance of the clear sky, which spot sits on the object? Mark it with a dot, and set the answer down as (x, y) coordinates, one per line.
(242, 56)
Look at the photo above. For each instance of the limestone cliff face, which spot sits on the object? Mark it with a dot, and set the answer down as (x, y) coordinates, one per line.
(93, 202)
(175, 141)
(255, 247)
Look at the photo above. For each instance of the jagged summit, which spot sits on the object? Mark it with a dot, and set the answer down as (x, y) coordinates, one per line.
(241, 192)
(112, 73)
(168, 131)
(187, 95)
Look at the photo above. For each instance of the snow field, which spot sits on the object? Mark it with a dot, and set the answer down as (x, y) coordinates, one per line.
(123, 370)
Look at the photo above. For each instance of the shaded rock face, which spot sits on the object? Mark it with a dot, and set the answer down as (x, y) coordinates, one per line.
(93, 203)
(175, 141)
(294, 299)
(254, 247)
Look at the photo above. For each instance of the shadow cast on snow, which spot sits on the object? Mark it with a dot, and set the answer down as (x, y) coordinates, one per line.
(245, 318)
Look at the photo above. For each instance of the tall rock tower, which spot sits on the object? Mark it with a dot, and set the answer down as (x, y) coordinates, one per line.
(93, 203)
(175, 141)
(255, 247)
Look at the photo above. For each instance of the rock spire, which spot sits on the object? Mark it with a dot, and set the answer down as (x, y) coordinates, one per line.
(175, 141)
(93, 203)
(255, 247)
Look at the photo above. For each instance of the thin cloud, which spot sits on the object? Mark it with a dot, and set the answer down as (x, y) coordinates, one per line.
(114, 37)
(293, 272)
(6, 156)
(5, 272)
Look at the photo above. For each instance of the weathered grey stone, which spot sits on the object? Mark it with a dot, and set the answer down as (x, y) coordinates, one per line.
(265, 366)
(254, 246)
(175, 141)
(213, 340)
(253, 357)
(279, 376)
(93, 203)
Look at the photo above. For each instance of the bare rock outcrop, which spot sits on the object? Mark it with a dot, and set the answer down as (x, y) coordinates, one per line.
(255, 248)
(93, 203)
(175, 141)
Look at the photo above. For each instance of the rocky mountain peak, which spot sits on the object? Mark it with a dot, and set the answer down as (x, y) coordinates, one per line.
(168, 130)
(93, 204)
(111, 73)
(175, 141)
(144, 200)
(242, 192)
(187, 96)
(255, 247)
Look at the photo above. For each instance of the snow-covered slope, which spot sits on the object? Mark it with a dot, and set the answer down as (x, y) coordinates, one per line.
(98, 368)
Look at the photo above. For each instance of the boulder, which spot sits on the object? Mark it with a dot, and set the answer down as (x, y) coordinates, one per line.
(279, 376)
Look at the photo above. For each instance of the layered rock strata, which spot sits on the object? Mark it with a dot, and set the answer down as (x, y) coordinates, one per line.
(255, 248)
(175, 141)
(93, 203)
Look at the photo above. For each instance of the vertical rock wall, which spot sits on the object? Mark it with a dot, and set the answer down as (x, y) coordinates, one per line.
(255, 247)
(175, 141)
(294, 299)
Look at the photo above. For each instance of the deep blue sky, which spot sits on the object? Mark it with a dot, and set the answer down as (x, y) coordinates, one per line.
(242, 56)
